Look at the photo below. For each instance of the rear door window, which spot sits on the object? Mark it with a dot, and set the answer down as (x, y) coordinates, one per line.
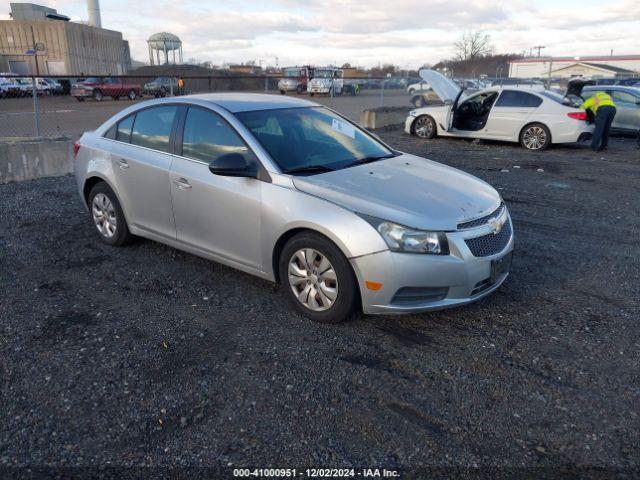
(152, 127)
(513, 98)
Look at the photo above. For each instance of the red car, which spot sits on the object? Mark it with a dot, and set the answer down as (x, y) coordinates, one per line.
(98, 88)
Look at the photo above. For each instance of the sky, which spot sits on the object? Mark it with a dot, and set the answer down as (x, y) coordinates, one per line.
(407, 33)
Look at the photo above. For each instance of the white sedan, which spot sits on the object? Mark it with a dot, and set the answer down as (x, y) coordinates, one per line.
(535, 118)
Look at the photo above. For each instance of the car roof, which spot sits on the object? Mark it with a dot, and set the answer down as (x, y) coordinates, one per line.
(245, 102)
(627, 88)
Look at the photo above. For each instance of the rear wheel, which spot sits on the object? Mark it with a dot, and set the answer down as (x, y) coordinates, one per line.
(318, 279)
(132, 95)
(299, 89)
(425, 127)
(535, 136)
(107, 216)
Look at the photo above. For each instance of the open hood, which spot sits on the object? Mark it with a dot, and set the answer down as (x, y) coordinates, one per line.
(575, 86)
(444, 87)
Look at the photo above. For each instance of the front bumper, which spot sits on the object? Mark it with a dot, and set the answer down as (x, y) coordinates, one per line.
(463, 277)
(320, 90)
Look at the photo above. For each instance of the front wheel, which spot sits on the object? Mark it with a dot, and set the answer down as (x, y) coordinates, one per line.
(535, 137)
(318, 279)
(425, 127)
(132, 95)
(107, 216)
(98, 96)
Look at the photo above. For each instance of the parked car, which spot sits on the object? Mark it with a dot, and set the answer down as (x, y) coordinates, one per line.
(9, 87)
(627, 100)
(421, 86)
(25, 85)
(295, 79)
(294, 193)
(161, 86)
(518, 82)
(98, 88)
(326, 81)
(535, 118)
(55, 88)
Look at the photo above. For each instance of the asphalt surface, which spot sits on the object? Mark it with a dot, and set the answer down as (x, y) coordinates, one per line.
(146, 356)
(64, 115)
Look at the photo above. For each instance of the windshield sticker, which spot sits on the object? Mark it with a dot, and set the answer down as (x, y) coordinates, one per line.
(344, 128)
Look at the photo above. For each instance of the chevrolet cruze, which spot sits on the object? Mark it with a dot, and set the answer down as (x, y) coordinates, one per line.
(295, 193)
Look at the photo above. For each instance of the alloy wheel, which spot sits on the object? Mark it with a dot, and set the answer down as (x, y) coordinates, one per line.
(534, 138)
(104, 215)
(313, 279)
(424, 127)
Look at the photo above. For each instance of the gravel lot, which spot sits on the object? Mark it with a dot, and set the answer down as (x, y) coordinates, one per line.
(146, 356)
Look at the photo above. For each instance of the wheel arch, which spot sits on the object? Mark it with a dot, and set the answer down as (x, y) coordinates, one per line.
(288, 235)
(413, 123)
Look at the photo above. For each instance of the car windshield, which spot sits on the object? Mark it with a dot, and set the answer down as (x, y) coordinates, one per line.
(92, 80)
(324, 73)
(312, 139)
(291, 73)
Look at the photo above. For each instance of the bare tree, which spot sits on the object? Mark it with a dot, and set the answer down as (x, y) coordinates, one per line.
(472, 45)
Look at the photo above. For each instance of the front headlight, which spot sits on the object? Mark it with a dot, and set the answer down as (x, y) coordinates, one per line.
(409, 240)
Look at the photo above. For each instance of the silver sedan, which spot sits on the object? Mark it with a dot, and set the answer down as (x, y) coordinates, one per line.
(295, 193)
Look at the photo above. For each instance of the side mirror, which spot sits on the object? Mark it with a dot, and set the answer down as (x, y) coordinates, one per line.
(233, 165)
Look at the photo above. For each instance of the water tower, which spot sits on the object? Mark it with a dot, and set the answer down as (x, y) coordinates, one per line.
(164, 42)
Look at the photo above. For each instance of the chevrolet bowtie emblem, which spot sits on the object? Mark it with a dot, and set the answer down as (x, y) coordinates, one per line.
(496, 224)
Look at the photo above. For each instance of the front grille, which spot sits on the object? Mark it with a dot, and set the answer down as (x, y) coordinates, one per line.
(490, 244)
(415, 295)
(482, 220)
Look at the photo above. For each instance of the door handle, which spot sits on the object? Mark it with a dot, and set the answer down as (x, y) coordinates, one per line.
(122, 163)
(182, 184)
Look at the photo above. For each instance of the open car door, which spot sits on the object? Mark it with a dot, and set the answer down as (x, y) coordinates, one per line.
(446, 89)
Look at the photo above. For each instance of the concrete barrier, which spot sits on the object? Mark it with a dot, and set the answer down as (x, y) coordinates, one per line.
(27, 159)
(382, 117)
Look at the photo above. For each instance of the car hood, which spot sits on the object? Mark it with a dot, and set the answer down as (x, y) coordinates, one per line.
(444, 87)
(407, 190)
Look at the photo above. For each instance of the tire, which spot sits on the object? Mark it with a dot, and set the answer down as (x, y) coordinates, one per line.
(97, 95)
(299, 89)
(116, 97)
(80, 99)
(425, 127)
(535, 137)
(163, 92)
(132, 95)
(311, 94)
(99, 208)
(283, 92)
(338, 280)
(412, 91)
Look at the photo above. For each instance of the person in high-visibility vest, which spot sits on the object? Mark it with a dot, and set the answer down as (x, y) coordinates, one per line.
(180, 85)
(603, 109)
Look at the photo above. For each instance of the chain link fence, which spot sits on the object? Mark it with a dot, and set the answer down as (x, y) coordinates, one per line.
(62, 106)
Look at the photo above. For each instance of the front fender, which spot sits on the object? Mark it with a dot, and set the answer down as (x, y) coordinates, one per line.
(286, 209)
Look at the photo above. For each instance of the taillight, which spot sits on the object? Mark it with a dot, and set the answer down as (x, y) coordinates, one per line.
(76, 149)
(578, 115)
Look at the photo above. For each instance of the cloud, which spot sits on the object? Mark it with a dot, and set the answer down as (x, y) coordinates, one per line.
(403, 32)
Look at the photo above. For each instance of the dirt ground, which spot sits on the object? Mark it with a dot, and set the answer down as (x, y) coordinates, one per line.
(125, 358)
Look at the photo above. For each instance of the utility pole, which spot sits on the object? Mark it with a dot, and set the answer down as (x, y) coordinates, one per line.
(539, 48)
